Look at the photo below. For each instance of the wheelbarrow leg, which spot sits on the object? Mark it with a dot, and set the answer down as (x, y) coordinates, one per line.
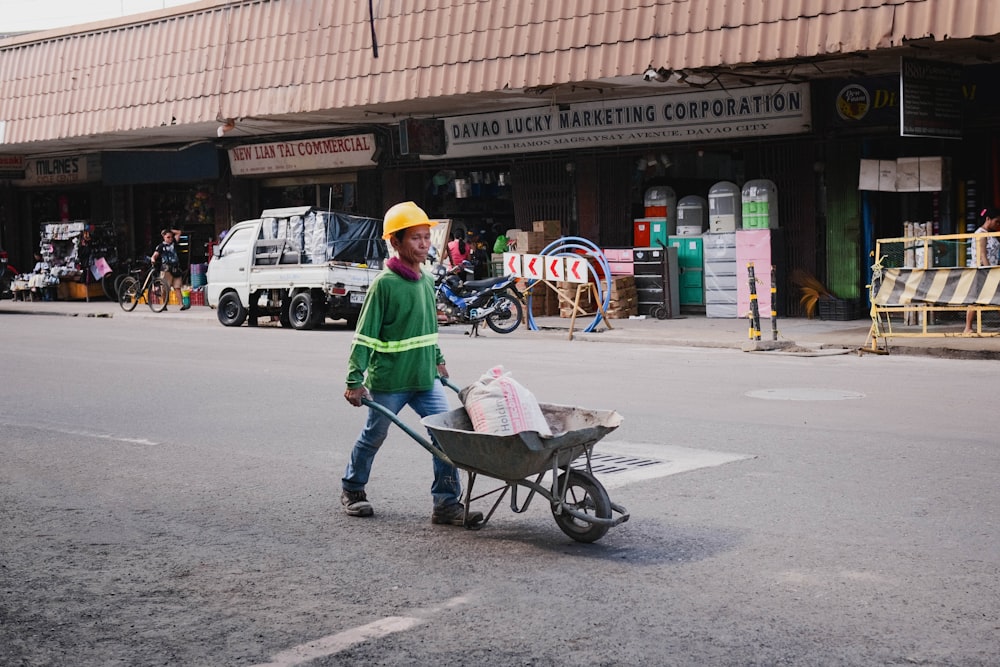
(469, 498)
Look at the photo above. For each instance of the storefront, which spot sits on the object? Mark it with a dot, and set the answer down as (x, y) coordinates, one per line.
(88, 214)
(590, 165)
(61, 208)
(151, 190)
(334, 172)
(939, 169)
(59, 189)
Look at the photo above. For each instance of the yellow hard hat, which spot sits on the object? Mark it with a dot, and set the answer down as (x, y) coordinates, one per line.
(401, 216)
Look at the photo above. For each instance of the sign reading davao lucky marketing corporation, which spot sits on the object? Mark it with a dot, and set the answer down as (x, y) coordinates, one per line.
(356, 150)
(707, 115)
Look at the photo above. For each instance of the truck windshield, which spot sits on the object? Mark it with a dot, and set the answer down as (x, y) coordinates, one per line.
(237, 241)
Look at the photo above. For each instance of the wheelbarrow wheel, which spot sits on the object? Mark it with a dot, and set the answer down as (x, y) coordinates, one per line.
(583, 494)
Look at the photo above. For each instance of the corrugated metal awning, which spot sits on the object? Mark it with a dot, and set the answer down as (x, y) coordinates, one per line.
(295, 65)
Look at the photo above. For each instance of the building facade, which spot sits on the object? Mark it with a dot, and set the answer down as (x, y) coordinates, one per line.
(497, 114)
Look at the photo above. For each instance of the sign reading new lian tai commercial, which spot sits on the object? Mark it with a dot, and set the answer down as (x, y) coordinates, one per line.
(303, 155)
(704, 116)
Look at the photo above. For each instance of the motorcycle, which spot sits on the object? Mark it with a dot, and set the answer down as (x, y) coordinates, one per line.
(495, 301)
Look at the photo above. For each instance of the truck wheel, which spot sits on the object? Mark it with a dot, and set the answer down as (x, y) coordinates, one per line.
(232, 313)
(300, 311)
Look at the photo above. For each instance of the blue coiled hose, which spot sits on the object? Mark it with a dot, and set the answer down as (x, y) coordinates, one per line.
(561, 248)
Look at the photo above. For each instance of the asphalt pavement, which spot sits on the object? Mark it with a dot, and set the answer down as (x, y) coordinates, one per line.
(799, 336)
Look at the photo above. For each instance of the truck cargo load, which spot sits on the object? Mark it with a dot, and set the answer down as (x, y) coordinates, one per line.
(311, 236)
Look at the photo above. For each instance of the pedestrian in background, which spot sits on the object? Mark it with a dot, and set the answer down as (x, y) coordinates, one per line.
(166, 259)
(985, 251)
(458, 249)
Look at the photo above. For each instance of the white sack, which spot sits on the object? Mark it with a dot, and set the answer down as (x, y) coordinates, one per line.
(499, 405)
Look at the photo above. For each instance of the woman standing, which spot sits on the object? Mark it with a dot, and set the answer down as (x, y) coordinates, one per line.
(985, 251)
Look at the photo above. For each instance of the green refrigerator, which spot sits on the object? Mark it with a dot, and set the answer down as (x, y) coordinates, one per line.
(690, 260)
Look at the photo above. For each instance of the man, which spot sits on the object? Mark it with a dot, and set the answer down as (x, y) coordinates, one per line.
(395, 356)
(165, 258)
(985, 252)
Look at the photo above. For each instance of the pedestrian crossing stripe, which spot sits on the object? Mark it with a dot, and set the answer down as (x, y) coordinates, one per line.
(941, 286)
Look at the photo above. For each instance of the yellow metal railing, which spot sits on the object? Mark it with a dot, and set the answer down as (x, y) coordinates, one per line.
(919, 276)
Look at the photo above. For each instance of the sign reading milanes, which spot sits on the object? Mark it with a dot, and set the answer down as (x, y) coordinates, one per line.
(762, 110)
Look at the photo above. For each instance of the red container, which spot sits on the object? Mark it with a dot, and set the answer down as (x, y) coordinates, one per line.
(656, 211)
(641, 237)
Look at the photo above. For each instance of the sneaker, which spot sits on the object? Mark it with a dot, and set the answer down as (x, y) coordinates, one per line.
(356, 503)
(454, 515)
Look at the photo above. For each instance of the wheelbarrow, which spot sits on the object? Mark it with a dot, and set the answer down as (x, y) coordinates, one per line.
(580, 504)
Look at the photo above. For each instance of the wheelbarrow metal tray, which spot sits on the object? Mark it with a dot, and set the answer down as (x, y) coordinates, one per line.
(514, 457)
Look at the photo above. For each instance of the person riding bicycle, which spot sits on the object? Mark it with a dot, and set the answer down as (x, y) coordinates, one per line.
(166, 260)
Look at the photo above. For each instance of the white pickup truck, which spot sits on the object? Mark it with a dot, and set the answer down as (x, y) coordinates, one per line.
(300, 264)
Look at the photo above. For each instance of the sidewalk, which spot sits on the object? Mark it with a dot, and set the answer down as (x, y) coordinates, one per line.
(799, 336)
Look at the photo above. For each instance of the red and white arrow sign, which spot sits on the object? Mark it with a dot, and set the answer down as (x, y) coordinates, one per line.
(555, 268)
(576, 270)
(512, 264)
(532, 266)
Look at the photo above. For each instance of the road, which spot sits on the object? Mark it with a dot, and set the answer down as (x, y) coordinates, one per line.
(169, 496)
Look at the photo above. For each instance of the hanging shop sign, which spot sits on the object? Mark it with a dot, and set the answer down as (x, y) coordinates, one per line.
(931, 99)
(858, 103)
(68, 170)
(303, 155)
(870, 102)
(702, 116)
(422, 136)
(12, 166)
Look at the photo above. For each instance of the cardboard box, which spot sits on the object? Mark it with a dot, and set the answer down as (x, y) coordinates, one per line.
(544, 301)
(79, 291)
(568, 291)
(539, 304)
(622, 283)
(551, 229)
(531, 242)
(623, 302)
(623, 312)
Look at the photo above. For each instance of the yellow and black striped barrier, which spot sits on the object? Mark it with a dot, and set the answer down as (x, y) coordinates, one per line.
(754, 306)
(926, 289)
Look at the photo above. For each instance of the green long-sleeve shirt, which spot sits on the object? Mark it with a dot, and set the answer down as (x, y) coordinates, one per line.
(396, 341)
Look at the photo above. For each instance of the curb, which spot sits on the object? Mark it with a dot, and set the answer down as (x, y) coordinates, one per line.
(778, 348)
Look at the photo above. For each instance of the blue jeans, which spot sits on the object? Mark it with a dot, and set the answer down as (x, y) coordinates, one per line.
(446, 489)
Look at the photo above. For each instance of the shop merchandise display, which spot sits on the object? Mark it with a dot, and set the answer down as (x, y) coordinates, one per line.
(72, 252)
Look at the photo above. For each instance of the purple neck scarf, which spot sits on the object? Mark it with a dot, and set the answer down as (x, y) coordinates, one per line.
(396, 265)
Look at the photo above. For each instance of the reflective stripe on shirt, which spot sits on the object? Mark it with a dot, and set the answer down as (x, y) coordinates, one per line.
(393, 346)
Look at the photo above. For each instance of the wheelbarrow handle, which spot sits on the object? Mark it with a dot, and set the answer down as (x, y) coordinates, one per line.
(423, 442)
(451, 385)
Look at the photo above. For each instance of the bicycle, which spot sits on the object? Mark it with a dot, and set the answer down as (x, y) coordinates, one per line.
(135, 268)
(153, 288)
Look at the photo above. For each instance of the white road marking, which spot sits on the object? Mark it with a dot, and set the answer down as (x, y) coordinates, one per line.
(333, 644)
(84, 434)
(671, 459)
(805, 394)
